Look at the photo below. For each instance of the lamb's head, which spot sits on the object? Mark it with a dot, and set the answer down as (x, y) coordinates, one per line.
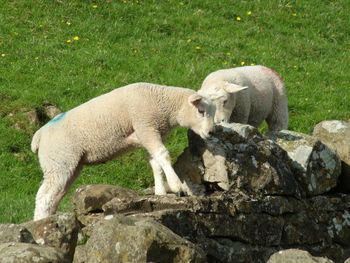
(198, 115)
(223, 95)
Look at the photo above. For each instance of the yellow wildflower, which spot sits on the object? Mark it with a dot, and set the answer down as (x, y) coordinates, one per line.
(189, 40)
(3, 55)
(249, 13)
(238, 18)
(69, 41)
(294, 14)
(228, 54)
(76, 38)
(68, 23)
(242, 63)
(252, 64)
(94, 6)
(197, 47)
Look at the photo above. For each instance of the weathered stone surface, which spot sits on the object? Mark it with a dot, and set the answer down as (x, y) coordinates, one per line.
(32, 116)
(59, 231)
(316, 166)
(51, 111)
(241, 228)
(225, 250)
(15, 233)
(296, 256)
(125, 239)
(25, 253)
(239, 158)
(91, 198)
(189, 168)
(336, 135)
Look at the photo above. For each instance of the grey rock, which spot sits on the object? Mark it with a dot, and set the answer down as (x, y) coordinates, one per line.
(219, 222)
(317, 167)
(118, 238)
(25, 253)
(51, 111)
(336, 135)
(296, 256)
(239, 158)
(32, 116)
(15, 233)
(59, 231)
(91, 198)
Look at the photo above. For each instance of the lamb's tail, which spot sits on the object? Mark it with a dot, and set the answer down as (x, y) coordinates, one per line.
(36, 141)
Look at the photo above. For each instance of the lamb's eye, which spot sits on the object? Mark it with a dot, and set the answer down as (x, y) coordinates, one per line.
(201, 112)
(225, 101)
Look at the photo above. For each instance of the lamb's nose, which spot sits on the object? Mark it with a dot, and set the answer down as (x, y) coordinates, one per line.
(211, 133)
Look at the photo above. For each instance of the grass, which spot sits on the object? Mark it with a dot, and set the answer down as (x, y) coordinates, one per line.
(67, 52)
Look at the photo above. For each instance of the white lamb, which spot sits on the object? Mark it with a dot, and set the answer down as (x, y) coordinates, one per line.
(248, 95)
(137, 115)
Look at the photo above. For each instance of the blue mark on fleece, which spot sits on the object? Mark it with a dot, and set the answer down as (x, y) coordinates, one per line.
(58, 117)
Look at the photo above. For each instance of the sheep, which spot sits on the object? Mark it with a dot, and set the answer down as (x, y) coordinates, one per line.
(136, 115)
(248, 95)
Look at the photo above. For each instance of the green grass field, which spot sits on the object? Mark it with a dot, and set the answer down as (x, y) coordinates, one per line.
(66, 52)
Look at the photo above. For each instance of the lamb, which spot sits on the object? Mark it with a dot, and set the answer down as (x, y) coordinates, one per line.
(136, 115)
(248, 95)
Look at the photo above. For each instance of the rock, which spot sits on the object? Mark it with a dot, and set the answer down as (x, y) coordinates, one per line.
(91, 198)
(24, 253)
(296, 256)
(51, 111)
(15, 233)
(118, 238)
(32, 116)
(59, 231)
(239, 158)
(317, 167)
(336, 135)
(225, 250)
(233, 227)
(187, 167)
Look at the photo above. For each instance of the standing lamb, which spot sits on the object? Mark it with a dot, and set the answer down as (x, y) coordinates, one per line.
(137, 115)
(248, 95)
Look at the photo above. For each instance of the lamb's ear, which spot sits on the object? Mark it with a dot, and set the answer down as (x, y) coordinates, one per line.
(232, 88)
(195, 99)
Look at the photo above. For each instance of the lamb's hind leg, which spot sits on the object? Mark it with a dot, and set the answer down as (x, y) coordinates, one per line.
(57, 179)
(278, 118)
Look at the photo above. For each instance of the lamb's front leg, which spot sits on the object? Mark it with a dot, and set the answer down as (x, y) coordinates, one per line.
(152, 141)
(159, 183)
(162, 157)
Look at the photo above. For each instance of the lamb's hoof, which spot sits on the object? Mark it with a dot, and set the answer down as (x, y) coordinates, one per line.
(180, 194)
